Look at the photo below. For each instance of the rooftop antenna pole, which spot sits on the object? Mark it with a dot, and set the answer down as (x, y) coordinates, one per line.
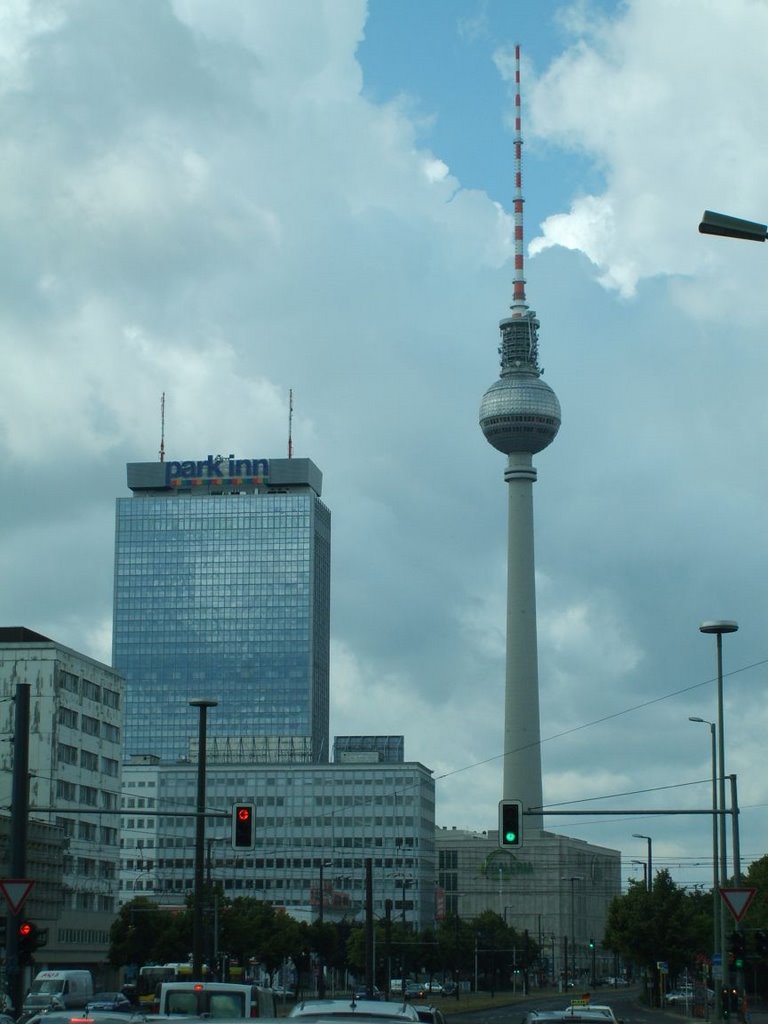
(290, 423)
(162, 428)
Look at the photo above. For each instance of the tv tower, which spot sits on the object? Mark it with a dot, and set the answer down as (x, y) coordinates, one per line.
(520, 415)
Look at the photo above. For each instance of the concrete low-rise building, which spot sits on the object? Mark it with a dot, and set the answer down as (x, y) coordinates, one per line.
(555, 887)
(73, 847)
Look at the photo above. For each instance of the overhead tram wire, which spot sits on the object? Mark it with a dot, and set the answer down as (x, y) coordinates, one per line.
(599, 721)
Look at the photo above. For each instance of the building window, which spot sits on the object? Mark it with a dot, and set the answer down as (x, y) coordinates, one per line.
(68, 717)
(91, 690)
(89, 760)
(67, 754)
(90, 725)
(69, 682)
(111, 732)
(89, 795)
(66, 790)
(111, 699)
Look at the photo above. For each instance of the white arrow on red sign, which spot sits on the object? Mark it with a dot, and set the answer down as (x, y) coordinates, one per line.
(738, 901)
(15, 891)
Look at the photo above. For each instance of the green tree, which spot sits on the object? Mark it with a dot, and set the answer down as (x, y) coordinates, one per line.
(757, 875)
(664, 925)
(142, 933)
(456, 942)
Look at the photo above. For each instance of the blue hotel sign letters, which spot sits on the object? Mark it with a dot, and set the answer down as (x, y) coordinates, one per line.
(216, 470)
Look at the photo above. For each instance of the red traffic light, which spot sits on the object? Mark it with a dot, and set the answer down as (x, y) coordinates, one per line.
(25, 929)
(243, 835)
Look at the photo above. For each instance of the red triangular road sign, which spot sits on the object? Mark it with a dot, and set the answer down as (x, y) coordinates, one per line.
(15, 891)
(738, 901)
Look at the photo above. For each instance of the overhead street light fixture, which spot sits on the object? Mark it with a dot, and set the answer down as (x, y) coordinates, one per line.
(732, 227)
(645, 871)
(649, 883)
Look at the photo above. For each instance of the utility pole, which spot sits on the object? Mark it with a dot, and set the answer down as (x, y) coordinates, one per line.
(369, 961)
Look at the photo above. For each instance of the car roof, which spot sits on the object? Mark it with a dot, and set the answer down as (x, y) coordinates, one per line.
(597, 1009)
(80, 1017)
(320, 1008)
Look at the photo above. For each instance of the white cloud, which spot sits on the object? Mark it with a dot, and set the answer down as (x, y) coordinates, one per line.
(652, 110)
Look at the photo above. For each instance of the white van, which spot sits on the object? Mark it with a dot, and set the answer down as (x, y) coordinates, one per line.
(214, 999)
(59, 990)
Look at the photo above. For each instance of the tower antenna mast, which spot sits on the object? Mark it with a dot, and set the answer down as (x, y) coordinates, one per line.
(162, 427)
(518, 284)
(290, 423)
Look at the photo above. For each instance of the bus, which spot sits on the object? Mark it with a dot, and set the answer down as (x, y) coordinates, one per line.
(151, 976)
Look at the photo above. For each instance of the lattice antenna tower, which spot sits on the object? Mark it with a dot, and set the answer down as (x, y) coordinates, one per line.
(162, 427)
(290, 423)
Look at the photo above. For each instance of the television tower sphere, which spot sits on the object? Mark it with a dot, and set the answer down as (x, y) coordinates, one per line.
(520, 412)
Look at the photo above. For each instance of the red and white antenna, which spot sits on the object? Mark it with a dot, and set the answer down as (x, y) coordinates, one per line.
(518, 288)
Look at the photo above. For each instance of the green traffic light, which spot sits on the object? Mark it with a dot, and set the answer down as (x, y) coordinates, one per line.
(510, 837)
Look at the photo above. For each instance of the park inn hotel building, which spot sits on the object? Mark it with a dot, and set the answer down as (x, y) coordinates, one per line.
(222, 591)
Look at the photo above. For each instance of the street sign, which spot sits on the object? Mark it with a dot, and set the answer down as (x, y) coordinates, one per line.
(738, 901)
(15, 891)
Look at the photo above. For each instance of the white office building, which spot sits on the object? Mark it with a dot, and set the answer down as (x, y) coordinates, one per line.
(315, 827)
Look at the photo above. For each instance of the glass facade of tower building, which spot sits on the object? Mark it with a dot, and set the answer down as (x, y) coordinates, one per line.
(222, 590)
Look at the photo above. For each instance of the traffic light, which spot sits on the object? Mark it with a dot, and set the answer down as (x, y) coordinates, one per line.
(27, 942)
(738, 947)
(510, 823)
(761, 942)
(243, 837)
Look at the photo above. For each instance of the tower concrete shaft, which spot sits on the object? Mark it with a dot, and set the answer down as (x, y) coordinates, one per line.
(522, 734)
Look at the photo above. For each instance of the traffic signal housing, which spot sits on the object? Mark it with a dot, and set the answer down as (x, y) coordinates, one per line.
(510, 823)
(738, 947)
(27, 941)
(243, 833)
(761, 942)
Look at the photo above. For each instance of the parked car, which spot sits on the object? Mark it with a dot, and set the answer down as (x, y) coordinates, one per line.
(415, 990)
(681, 996)
(362, 993)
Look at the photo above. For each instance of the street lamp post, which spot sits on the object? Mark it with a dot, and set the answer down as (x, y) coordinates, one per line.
(718, 627)
(649, 876)
(716, 909)
(572, 879)
(202, 703)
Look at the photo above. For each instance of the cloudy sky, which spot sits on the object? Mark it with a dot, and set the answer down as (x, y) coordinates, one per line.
(221, 202)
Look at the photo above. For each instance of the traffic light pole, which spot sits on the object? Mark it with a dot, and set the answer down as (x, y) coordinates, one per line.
(18, 836)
